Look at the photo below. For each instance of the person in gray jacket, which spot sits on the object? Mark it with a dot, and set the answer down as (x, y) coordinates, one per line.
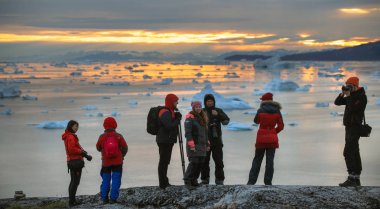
(197, 143)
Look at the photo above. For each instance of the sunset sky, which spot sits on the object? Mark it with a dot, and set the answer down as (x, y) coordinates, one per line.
(41, 27)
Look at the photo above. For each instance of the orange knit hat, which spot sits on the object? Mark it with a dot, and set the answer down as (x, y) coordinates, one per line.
(353, 80)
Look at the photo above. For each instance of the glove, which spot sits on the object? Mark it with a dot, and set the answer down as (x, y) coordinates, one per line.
(178, 115)
(191, 145)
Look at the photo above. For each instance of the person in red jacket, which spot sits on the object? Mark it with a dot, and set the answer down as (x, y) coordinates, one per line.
(270, 119)
(74, 156)
(113, 148)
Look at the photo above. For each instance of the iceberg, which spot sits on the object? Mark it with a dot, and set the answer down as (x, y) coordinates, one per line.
(250, 113)
(321, 104)
(97, 68)
(281, 85)
(76, 74)
(166, 81)
(53, 124)
(147, 77)
(106, 97)
(304, 88)
(235, 126)
(231, 75)
(13, 81)
(17, 71)
(121, 83)
(378, 102)
(234, 103)
(89, 107)
(335, 114)
(258, 92)
(9, 91)
(28, 97)
(115, 114)
(293, 124)
(194, 81)
(133, 102)
(199, 74)
(7, 112)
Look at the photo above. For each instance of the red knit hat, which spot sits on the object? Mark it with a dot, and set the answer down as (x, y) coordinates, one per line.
(196, 103)
(353, 80)
(267, 96)
(110, 123)
(169, 100)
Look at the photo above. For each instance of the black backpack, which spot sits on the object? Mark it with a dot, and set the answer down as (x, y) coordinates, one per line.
(153, 121)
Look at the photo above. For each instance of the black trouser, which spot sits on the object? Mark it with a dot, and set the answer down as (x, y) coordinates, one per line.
(217, 155)
(351, 151)
(165, 151)
(75, 175)
(193, 169)
(256, 164)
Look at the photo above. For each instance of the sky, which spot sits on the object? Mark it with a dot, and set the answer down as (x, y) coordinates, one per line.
(38, 27)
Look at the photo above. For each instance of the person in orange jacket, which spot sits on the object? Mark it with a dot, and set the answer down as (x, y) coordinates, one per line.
(74, 156)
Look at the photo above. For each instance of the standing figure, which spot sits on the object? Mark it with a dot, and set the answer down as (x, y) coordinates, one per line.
(197, 143)
(113, 148)
(355, 99)
(270, 119)
(167, 136)
(74, 156)
(216, 117)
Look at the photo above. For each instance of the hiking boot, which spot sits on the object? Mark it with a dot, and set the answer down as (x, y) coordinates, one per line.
(72, 204)
(350, 182)
(219, 182)
(189, 185)
(195, 183)
(358, 182)
(250, 183)
(205, 181)
(113, 201)
(165, 186)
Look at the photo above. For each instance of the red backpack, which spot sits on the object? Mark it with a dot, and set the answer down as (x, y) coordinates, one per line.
(111, 147)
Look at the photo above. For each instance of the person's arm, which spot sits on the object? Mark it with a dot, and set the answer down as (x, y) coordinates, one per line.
(340, 100)
(72, 146)
(189, 134)
(223, 118)
(280, 123)
(99, 144)
(124, 146)
(257, 118)
(167, 121)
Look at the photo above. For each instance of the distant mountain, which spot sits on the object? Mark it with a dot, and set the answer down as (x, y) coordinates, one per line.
(253, 55)
(364, 52)
(242, 57)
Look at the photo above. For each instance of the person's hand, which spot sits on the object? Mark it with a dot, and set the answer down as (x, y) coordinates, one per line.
(208, 148)
(214, 112)
(178, 115)
(347, 93)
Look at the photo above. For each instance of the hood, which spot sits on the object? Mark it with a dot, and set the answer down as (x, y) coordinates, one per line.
(66, 134)
(110, 123)
(359, 91)
(270, 106)
(169, 100)
(208, 97)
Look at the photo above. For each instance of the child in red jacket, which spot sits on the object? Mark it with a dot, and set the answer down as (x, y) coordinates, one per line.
(113, 148)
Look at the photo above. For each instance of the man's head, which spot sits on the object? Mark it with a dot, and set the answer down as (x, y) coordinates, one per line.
(209, 101)
(352, 84)
(267, 97)
(171, 101)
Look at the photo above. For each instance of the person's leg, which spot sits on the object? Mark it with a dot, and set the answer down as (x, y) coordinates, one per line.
(217, 156)
(256, 164)
(352, 158)
(105, 173)
(116, 174)
(190, 171)
(75, 175)
(205, 170)
(269, 166)
(165, 151)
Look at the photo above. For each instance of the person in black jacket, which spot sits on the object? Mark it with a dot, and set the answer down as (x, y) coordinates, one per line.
(216, 117)
(355, 99)
(167, 136)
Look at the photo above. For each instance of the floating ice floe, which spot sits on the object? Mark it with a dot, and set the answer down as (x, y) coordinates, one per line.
(44, 111)
(199, 74)
(378, 102)
(321, 104)
(115, 114)
(147, 77)
(194, 81)
(304, 88)
(250, 113)
(166, 81)
(1, 70)
(337, 76)
(121, 83)
(221, 101)
(133, 102)
(281, 85)
(76, 74)
(235, 126)
(53, 124)
(206, 81)
(7, 112)
(28, 97)
(106, 97)
(231, 75)
(335, 114)
(293, 124)
(13, 81)
(258, 92)
(99, 114)
(97, 68)
(62, 64)
(9, 91)
(137, 71)
(89, 107)
(17, 71)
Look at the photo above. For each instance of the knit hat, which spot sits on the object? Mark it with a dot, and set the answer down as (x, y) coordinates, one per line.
(169, 100)
(208, 97)
(110, 123)
(353, 80)
(196, 103)
(267, 96)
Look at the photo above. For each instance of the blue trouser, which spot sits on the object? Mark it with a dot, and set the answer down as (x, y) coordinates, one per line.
(256, 164)
(109, 173)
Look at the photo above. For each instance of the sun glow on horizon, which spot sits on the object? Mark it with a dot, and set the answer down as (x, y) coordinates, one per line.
(354, 11)
(338, 43)
(131, 36)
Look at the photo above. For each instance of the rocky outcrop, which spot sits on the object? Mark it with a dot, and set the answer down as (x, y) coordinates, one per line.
(228, 197)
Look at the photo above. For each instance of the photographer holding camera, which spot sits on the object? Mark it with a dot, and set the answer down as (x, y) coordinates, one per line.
(355, 99)
(74, 155)
(216, 117)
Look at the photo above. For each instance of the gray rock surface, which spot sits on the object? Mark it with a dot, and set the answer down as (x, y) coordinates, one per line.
(227, 197)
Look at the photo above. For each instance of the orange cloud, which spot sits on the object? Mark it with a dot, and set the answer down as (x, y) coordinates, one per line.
(354, 11)
(338, 43)
(304, 35)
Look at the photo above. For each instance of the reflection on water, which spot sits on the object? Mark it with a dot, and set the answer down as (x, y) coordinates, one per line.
(310, 152)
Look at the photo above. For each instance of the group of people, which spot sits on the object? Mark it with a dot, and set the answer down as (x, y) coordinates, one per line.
(204, 139)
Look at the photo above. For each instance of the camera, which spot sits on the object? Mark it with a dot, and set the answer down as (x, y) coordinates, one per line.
(347, 87)
(213, 126)
(87, 156)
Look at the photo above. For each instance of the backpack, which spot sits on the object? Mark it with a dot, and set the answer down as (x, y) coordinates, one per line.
(111, 147)
(153, 120)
